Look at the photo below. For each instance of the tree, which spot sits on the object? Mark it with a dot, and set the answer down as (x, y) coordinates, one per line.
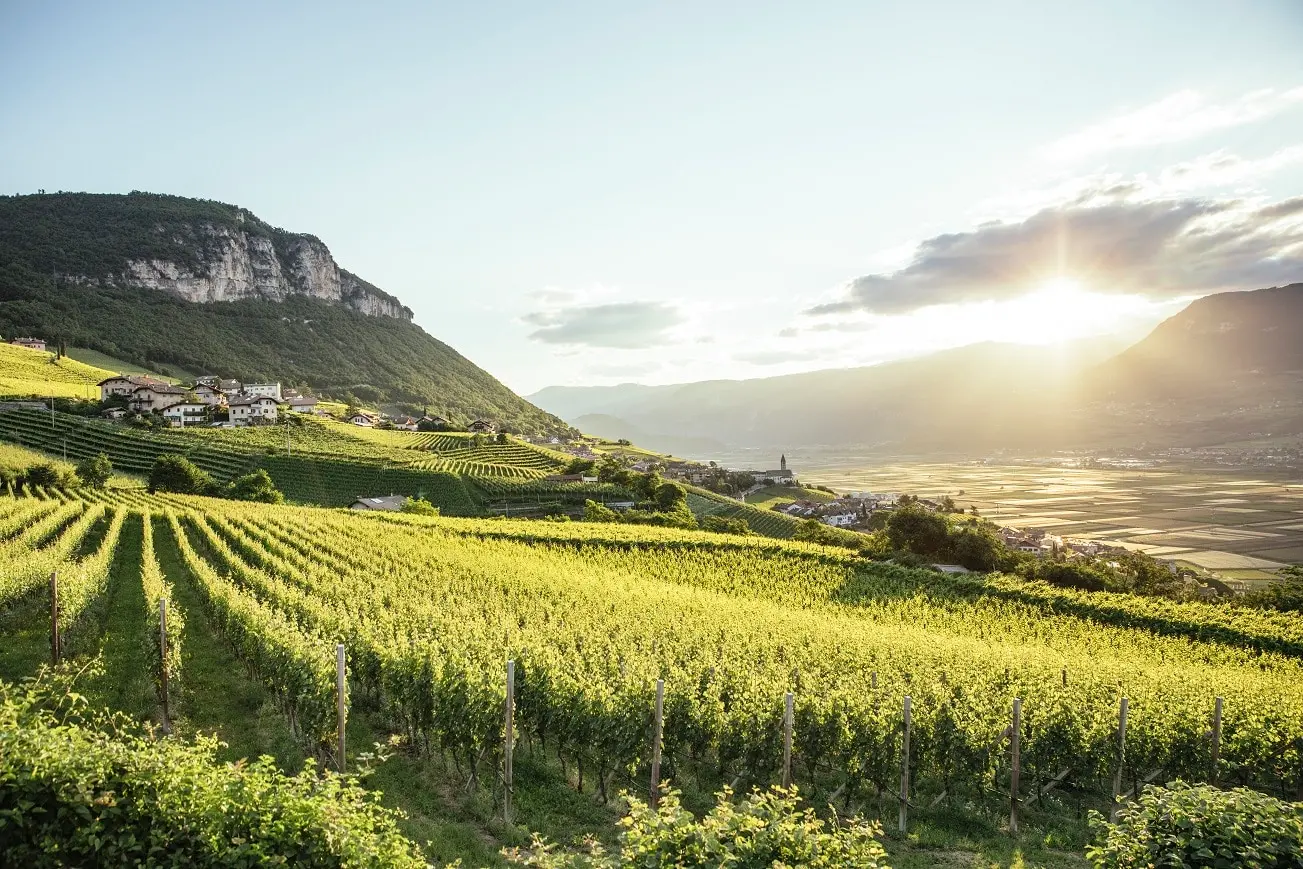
(257, 486)
(671, 497)
(578, 466)
(948, 505)
(46, 476)
(174, 473)
(725, 525)
(920, 531)
(419, 507)
(95, 472)
(595, 512)
(502, 438)
(977, 549)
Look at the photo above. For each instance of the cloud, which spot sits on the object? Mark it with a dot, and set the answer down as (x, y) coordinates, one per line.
(777, 357)
(1104, 239)
(621, 325)
(1183, 115)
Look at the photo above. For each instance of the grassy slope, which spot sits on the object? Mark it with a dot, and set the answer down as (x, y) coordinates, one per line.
(30, 372)
(766, 498)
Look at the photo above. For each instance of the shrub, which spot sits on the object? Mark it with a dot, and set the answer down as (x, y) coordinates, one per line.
(87, 789)
(49, 476)
(1198, 826)
(765, 829)
(95, 472)
(725, 525)
(420, 507)
(257, 486)
(173, 473)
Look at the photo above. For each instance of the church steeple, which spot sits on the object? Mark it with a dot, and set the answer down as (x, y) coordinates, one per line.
(782, 462)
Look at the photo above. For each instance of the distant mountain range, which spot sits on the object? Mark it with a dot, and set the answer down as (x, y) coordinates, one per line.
(210, 288)
(1226, 368)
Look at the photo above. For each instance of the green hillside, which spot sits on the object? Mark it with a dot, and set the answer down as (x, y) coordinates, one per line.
(64, 275)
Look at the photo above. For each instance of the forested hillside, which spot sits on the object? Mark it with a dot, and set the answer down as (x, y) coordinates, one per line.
(71, 268)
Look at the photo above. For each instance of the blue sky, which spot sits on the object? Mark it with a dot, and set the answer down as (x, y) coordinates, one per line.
(596, 193)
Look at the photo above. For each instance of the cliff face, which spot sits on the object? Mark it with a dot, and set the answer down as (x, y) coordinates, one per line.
(233, 264)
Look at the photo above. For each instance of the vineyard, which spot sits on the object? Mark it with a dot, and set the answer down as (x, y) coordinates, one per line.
(31, 372)
(430, 610)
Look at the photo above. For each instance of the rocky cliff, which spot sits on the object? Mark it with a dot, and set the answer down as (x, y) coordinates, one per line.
(198, 250)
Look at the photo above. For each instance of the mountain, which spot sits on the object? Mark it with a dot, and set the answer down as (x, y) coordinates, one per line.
(613, 428)
(982, 394)
(211, 288)
(1227, 368)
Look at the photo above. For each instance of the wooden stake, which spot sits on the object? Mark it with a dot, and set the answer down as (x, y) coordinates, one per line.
(162, 652)
(54, 617)
(341, 706)
(657, 733)
(509, 739)
(1015, 757)
(1122, 757)
(1065, 677)
(1217, 738)
(787, 740)
(904, 771)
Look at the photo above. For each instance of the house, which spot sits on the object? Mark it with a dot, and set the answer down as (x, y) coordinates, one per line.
(840, 520)
(392, 503)
(564, 478)
(209, 394)
(782, 475)
(406, 423)
(287, 394)
(364, 419)
(208, 380)
(249, 409)
(437, 423)
(114, 413)
(125, 384)
(187, 412)
(482, 426)
(265, 390)
(30, 343)
(147, 399)
(303, 404)
(230, 388)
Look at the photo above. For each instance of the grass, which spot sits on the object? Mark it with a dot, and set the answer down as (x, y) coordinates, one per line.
(766, 498)
(26, 372)
(118, 366)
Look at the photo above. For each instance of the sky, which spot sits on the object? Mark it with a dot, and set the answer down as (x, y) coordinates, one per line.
(586, 194)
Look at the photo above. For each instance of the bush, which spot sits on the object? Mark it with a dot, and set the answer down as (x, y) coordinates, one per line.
(95, 472)
(173, 473)
(420, 507)
(725, 525)
(48, 476)
(257, 486)
(765, 829)
(1197, 826)
(87, 789)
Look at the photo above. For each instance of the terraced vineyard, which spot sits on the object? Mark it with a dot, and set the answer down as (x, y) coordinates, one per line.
(593, 615)
(26, 372)
(704, 503)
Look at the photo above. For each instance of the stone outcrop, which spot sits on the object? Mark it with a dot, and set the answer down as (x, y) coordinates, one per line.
(231, 264)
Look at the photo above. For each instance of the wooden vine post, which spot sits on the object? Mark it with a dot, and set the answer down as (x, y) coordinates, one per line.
(1122, 758)
(1216, 740)
(162, 654)
(508, 740)
(341, 706)
(787, 740)
(1015, 768)
(904, 770)
(658, 731)
(54, 617)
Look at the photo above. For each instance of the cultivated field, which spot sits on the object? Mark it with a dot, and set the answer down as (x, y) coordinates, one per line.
(1240, 527)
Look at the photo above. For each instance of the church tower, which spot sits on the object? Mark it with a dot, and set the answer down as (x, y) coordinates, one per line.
(782, 462)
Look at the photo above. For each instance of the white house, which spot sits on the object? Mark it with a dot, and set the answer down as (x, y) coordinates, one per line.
(125, 384)
(840, 520)
(184, 413)
(388, 502)
(30, 343)
(406, 423)
(482, 426)
(267, 390)
(230, 388)
(303, 404)
(251, 409)
(436, 422)
(364, 419)
(146, 399)
(209, 394)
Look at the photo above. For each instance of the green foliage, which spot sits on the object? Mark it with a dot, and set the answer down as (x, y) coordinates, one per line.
(84, 789)
(595, 512)
(257, 486)
(47, 475)
(725, 525)
(670, 497)
(1286, 595)
(332, 349)
(1200, 827)
(920, 531)
(765, 829)
(96, 471)
(420, 507)
(174, 473)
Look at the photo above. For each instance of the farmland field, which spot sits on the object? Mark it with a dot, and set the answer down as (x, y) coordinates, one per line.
(1241, 526)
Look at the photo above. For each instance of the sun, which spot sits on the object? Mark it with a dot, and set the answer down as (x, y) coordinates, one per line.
(1061, 290)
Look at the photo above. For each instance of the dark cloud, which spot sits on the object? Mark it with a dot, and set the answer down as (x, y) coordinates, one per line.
(623, 325)
(1166, 247)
